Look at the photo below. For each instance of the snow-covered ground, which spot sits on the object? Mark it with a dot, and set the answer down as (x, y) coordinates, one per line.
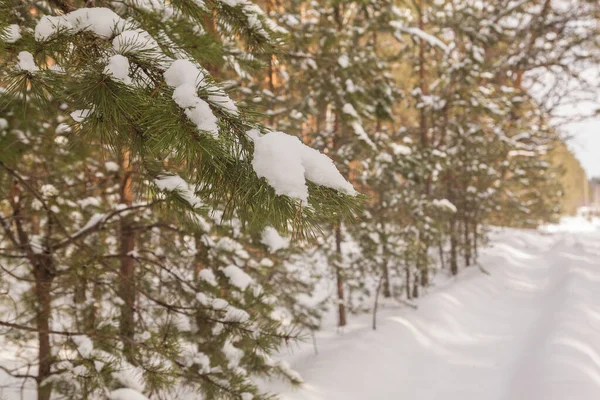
(528, 330)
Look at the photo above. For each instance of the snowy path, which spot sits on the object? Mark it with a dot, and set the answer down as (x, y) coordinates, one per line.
(530, 330)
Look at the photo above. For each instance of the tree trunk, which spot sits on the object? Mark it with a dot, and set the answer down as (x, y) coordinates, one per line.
(407, 273)
(467, 238)
(424, 265)
(127, 290)
(441, 251)
(387, 289)
(453, 245)
(44, 274)
(415, 293)
(475, 244)
(339, 278)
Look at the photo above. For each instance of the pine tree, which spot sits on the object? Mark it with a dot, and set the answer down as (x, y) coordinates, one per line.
(119, 149)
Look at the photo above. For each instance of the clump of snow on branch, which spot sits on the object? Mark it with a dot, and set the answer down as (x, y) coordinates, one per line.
(81, 115)
(85, 346)
(416, 32)
(185, 77)
(237, 277)
(273, 240)
(174, 183)
(118, 69)
(11, 33)
(26, 62)
(101, 21)
(286, 163)
(444, 204)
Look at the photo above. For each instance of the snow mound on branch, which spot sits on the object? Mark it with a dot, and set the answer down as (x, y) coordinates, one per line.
(418, 33)
(134, 40)
(11, 33)
(285, 162)
(185, 77)
(80, 115)
(445, 204)
(343, 61)
(400, 149)
(183, 72)
(237, 277)
(118, 69)
(174, 183)
(85, 346)
(273, 240)
(101, 21)
(208, 276)
(26, 62)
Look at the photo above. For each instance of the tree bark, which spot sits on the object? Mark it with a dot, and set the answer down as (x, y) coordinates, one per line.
(339, 277)
(453, 245)
(407, 273)
(126, 288)
(44, 273)
(387, 289)
(467, 239)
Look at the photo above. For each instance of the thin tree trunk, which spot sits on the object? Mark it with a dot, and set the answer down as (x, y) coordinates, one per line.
(387, 289)
(415, 293)
(127, 289)
(441, 252)
(467, 239)
(424, 265)
(375, 306)
(339, 277)
(44, 274)
(475, 243)
(408, 294)
(453, 245)
(407, 273)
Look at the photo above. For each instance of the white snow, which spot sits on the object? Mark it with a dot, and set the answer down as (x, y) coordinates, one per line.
(126, 394)
(233, 354)
(174, 183)
(111, 166)
(444, 203)
(118, 69)
(273, 240)
(285, 162)
(48, 190)
(400, 149)
(93, 221)
(350, 110)
(526, 330)
(343, 61)
(80, 115)
(130, 376)
(134, 40)
(36, 244)
(362, 134)
(183, 72)
(85, 346)
(414, 31)
(62, 128)
(208, 276)
(237, 277)
(101, 21)
(11, 33)
(219, 304)
(185, 77)
(26, 62)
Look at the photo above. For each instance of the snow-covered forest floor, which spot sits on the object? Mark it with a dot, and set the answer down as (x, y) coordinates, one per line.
(528, 330)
